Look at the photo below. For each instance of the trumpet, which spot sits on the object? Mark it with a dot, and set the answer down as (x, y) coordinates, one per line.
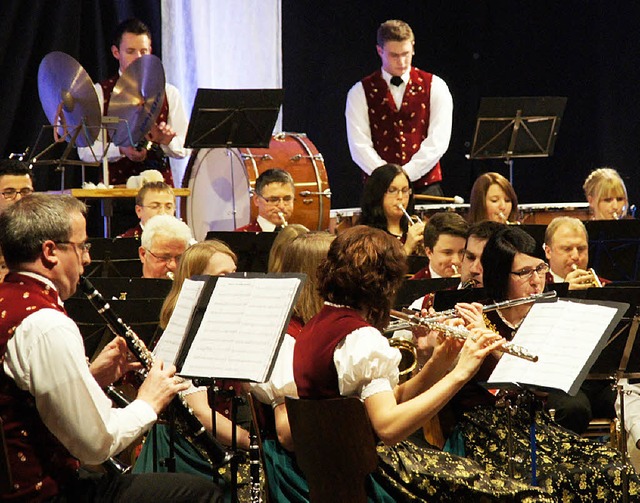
(596, 280)
(284, 220)
(506, 221)
(462, 333)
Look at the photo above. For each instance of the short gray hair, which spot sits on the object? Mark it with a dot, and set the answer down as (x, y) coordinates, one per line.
(27, 224)
(165, 225)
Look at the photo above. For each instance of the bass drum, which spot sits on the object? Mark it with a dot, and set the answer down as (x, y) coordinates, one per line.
(222, 180)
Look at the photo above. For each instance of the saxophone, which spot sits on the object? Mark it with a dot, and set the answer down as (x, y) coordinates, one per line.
(187, 424)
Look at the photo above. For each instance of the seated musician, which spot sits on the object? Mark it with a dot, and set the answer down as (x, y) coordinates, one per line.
(153, 198)
(606, 194)
(274, 196)
(162, 243)
(386, 192)
(566, 463)
(471, 267)
(55, 414)
(341, 352)
(16, 181)
(493, 198)
(566, 246)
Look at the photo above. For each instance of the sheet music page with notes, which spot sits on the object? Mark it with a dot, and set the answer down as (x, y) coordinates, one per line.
(242, 328)
(565, 336)
(171, 339)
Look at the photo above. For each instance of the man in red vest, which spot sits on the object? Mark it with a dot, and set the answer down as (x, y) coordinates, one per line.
(132, 40)
(400, 114)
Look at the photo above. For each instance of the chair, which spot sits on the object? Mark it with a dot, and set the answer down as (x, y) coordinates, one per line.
(335, 447)
(6, 482)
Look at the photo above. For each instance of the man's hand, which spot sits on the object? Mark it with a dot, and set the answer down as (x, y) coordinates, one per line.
(134, 154)
(161, 385)
(113, 362)
(161, 134)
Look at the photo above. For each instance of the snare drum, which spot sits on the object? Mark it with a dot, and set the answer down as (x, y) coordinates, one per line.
(222, 181)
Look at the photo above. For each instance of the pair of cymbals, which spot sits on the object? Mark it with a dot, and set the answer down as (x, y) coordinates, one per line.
(69, 98)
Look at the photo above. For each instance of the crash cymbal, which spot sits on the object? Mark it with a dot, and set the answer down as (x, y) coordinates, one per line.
(68, 97)
(137, 98)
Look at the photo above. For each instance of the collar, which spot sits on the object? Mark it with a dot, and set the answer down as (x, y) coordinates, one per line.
(387, 77)
(265, 225)
(44, 280)
(556, 278)
(434, 275)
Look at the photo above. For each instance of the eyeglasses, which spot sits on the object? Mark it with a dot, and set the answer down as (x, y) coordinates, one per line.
(542, 269)
(84, 247)
(276, 200)
(394, 190)
(158, 206)
(10, 194)
(166, 259)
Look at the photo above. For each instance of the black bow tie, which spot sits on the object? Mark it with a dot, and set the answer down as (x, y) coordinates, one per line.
(396, 81)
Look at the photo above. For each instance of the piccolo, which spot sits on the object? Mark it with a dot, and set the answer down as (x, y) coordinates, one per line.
(463, 333)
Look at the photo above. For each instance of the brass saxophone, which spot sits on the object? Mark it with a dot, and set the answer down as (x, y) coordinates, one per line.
(187, 424)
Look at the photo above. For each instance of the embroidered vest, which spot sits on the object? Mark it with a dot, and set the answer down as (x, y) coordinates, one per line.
(40, 465)
(121, 170)
(313, 368)
(397, 134)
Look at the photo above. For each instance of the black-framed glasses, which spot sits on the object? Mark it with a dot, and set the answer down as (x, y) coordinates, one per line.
(166, 258)
(406, 191)
(10, 194)
(276, 199)
(84, 247)
(542, 269)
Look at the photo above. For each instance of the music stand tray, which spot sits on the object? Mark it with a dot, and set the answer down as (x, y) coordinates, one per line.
(508, 128)
(233, 118)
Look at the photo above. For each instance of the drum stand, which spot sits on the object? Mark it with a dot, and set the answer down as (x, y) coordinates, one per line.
(229, 154)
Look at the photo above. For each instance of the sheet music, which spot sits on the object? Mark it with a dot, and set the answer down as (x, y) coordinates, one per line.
(241, 328)
(564, 335)
(169, 343)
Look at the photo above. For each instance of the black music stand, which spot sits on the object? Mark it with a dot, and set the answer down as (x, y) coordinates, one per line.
(230, 118)
(114, 258)
(508, 128)
(412, 289)
(614, 248)
(251, 248)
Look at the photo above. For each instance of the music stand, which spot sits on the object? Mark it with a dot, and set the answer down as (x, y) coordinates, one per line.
(508, 128)
(230, 118)
(114, 258)
(251, 248)
(614, 248)
(412, 289)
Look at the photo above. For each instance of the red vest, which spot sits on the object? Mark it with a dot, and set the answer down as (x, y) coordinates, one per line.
(40, 465)
(397, 134)
(121, 170)
(313, 368)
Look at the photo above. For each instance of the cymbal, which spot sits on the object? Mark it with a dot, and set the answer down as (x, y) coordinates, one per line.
(68, 96)
(137, 98)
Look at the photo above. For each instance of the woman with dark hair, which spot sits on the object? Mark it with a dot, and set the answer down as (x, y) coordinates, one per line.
(342, 352)
(492, 198)
(386, 189)
(566, 463)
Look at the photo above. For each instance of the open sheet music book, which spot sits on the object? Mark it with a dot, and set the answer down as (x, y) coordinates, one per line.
(230, 326)
(567, 336)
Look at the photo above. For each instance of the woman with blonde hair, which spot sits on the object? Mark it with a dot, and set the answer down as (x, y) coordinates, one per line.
(492, 198)
(606, 194)
(280, 243)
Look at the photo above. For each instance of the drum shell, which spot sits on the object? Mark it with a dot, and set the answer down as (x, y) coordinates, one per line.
(221, 181)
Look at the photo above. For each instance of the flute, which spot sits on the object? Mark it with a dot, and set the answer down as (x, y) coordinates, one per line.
(463, 333)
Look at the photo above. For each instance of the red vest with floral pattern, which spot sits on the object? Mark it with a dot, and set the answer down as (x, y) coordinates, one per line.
(397, 134)
(39, 464)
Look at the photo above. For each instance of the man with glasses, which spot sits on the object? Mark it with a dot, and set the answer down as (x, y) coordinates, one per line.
(400, 114)
(163, 241)
(274, 197)
(55, 414)
(16, 181)
(153, 198)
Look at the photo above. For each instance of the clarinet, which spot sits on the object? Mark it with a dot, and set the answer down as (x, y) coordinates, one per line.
(254, 465)
(187, 424)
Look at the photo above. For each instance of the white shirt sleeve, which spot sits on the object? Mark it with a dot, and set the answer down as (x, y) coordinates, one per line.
(281, 383)
(436, 143)
(366, 364)
(46, 358)
(433, 146)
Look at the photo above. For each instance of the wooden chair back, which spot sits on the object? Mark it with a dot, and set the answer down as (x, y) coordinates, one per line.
(335, 447)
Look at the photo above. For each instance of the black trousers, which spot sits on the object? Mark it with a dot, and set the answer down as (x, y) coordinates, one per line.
(145, 487)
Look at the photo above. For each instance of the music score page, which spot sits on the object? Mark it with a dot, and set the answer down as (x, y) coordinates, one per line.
(566, 336)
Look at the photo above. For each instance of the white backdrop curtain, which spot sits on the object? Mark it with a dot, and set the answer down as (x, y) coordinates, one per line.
(221, 44)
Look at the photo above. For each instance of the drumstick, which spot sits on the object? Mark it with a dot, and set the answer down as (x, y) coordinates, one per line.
(425, 197)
